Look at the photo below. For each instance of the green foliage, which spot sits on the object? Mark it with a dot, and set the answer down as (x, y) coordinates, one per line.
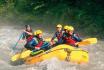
(83, 14)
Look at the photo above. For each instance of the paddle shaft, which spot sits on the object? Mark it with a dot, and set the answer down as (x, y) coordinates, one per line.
(18, 40)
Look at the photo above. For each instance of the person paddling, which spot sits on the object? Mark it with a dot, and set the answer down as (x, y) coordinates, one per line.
(37, 42)
(65, 34)
(27, 34)
(72, 38)
(58, 34)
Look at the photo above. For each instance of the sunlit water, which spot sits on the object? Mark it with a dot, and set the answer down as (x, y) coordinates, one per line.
(10, 34)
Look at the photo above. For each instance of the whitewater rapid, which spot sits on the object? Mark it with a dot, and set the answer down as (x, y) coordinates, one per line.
(9, 36)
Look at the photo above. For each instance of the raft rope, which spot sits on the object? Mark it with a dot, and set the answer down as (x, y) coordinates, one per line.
(65, 49)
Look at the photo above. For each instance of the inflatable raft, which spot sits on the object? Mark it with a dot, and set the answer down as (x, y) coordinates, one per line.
(62, 52)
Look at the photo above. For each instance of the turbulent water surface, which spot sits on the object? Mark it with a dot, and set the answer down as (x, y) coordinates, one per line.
(9, 35)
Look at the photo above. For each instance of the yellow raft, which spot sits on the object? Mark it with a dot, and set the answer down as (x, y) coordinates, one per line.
(26, 53)
(62, 52)
(22, 55)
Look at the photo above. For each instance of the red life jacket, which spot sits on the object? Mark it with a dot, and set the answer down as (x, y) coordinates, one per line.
(59, 35)
(40, 40)
(70, 41)
(29, 38)
(39, 44)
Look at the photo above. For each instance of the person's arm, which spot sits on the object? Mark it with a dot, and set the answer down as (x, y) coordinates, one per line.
(29, 33)
(53, 37)
(34, 42)
(23, 36)
(77, 38)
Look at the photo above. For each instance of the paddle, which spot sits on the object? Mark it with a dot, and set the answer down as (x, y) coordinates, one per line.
(14, 47)
(25, 53)
(18, 41)
(87, 42)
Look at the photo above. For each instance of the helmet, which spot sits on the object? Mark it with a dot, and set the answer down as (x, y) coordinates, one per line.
(59, 25)
(66, 27)
(70, 28)
(38, 32)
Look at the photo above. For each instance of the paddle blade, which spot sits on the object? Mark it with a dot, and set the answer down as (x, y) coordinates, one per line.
(91, 40)
(15, 57)
(88, 42)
